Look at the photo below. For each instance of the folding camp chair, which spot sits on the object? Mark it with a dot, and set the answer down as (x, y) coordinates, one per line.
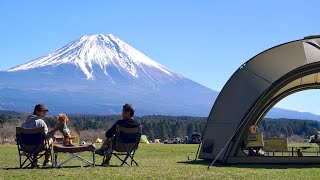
(31, 142)
(125, 144)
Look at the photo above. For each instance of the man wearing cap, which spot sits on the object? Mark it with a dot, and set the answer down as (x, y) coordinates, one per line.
(127, 122)
(36, 121)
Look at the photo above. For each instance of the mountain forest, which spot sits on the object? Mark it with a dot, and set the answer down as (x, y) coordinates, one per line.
(91, 127)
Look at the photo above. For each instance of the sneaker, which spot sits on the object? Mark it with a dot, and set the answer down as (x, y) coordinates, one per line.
(105, 164)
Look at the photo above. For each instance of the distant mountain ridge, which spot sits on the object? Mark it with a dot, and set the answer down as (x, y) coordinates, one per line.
(277, 113)
(97, 74)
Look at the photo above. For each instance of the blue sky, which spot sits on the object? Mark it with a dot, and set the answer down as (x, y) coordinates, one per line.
(205, 41)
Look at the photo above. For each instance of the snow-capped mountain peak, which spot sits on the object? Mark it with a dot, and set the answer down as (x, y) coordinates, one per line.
(99, 50)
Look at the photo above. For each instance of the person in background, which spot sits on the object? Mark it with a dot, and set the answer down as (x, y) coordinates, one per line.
(37, 120)
(252, 130)
(127, 122)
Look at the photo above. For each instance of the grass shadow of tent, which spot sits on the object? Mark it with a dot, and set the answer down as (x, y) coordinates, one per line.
(196, 162)
(253, 166)
(271, 166)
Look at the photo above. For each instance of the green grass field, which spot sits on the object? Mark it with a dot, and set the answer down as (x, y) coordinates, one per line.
(157, 161)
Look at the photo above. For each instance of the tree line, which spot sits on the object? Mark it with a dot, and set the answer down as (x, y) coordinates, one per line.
(163, 127)
(154, 126)
(288, 127)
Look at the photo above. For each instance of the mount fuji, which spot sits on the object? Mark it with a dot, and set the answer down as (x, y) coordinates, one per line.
(98, 74)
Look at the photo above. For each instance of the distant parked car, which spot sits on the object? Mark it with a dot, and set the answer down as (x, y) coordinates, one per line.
(195, 139)
(174, 140)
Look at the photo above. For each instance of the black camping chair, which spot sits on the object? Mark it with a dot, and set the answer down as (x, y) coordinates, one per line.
(125, 144)
(31, 142)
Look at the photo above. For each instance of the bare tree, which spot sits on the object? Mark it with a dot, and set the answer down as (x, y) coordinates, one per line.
(7, 133)
(295, 138)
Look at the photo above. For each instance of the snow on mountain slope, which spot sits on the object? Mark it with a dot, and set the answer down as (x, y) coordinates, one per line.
(105, 51)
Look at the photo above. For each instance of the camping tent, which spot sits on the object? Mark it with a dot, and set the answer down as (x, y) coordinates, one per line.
(144, 139)
(98, 140)
(252, 91)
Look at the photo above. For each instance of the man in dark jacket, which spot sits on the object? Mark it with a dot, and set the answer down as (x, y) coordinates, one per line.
(127, 122)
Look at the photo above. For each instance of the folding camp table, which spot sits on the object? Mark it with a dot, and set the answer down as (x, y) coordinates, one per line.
(298, 148)
(74, 152)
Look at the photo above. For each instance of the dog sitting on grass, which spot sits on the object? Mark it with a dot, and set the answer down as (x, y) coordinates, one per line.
(62, 122)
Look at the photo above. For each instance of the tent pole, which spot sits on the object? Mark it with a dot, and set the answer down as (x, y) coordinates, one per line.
(198, 151)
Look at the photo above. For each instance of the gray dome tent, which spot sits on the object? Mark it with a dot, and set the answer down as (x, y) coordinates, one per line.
(252, 91)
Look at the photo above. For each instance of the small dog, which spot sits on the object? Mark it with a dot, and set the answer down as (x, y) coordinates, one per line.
(62, 122)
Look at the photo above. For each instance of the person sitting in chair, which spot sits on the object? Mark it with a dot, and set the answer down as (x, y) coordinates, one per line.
(127, 122)
(252, 151)
(252, 130)
(36, 121)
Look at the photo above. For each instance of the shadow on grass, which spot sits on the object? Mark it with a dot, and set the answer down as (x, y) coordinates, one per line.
(29, 168)
(63, 167)
(196, 162)
(271, 166)
(254, 166)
